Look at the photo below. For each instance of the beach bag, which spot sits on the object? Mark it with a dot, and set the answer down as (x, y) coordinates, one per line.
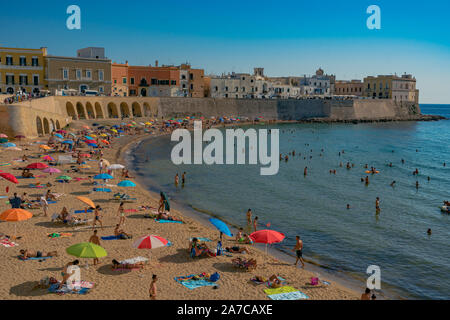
(314, 281)
(214, 277)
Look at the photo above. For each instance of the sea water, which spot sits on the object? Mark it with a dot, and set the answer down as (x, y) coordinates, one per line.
(413, 264)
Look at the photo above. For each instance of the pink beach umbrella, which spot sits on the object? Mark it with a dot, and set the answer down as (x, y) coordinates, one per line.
(48, 158)
(150, 242)
(51, 170)
(2, 135)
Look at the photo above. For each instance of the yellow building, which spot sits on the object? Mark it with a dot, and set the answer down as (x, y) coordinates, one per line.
(22, 70)
(392, 87)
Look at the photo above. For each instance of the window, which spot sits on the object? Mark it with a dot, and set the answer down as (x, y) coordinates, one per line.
(216, 88)
(173, 82)
(88, 74)
(101, 89)
(34, 62)
(23, 61)
(35, 80)
(191, 76)
(154, 81)
(9, 79)
(236, 89)
(226, 89)
(65, 74)
(78, 74)
(243, 89)
(115, 81)
(23, 80)
(183, 77)
(100, 75)
(9, 61)
(192, 87)
(125, 80)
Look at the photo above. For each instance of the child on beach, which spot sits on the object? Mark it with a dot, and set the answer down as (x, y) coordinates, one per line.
(95, 240)
(152, 291)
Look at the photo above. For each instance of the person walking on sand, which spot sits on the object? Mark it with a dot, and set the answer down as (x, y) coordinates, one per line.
(97, 217)
(100, 166)
(299, 251)
(121, 214)
(152, 291)
(44, 204)
(177, 180)
(249, 216)
(95, 240)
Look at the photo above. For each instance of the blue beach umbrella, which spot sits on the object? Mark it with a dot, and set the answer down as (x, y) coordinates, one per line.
(103, 176)
(59, 136)
(221, 226)
(93, 145)
(121, 131)
(89, 138)
(126, 183)
(67, 142)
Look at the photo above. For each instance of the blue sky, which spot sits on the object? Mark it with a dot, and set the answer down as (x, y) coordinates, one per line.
(285, 37)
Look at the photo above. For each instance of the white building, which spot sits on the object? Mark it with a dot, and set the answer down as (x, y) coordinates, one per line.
(319, 84)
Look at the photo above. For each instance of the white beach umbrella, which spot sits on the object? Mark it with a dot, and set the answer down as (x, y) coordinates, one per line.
(115, 167)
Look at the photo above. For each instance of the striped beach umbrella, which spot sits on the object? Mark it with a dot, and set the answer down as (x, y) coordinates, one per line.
(150, 242)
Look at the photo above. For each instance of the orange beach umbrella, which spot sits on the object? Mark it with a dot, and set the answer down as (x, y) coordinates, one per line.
(87, 201)
(14, 215)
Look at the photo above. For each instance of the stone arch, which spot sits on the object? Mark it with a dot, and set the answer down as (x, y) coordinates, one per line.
(46, 126)
(71, 111)
(90, 110)
(80, 111)
(136, 109)
(147, 110)
(52, 125)
(124, 110)
(39, 127)
(112, 110)
(98, 111)
(57, 125)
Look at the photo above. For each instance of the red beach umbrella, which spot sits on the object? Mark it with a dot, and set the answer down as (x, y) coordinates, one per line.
(90, 141)
(267, 237)
(9, 177)
(37, 165)
(150, 242)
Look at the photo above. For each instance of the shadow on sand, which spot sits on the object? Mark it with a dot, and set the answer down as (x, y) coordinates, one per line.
(26, 290)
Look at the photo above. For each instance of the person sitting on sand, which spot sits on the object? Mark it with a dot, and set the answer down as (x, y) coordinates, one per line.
(246, 239)
(166, 216)
(240, 234)
(366, 295)
(273, 282)
(120, 233)
(27, 174)
(237, 249)
(200, 249)
(50, 196)
(68, 272)
(63, 215)
(26, 254)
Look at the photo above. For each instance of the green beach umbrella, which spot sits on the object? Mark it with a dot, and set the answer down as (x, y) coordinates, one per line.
(86, 250)
(64, 178)
(3, 140)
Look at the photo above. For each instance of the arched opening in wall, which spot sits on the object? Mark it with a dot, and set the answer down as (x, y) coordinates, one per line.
(124, 110)
(136, 108)
(52, 125)
(80, 111)
(98, 111)
(46, 126)
(57, 125)
(112, 110)
(39, 128)
(90, 110)
(143, 92)
(147, 110)
(71, 111)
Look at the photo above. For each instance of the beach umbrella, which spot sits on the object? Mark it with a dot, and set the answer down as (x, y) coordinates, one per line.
(51, 170)
(14, 215)
(37, 165)
(9, 177)
(8, 145)
(86, 127)
(87, 201)
(67, 142)
(59, 136)
(48, 158)
(88, 138)
(85, 166)
(150, 242)
(73, 135)
(103, 135)
(3, 140)
(221, 226)
(103, 176)
(61, 131)
(93, 145)
(2, 135)
(90, 141)
(85, 155)
(86, 250)
(105, 142)
(63, 177)
(115, 167)
(19, 137)
(44, 147)
(267, 237)
(126, 183)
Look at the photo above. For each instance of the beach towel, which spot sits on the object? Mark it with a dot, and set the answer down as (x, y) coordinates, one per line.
(34, 258)
(8, 243)
(201, 239)
(35, 186)
(134, 260)
(267, 283)
(82, 211)
(20, 177)
(168, 221)
(285, 293)
(55, 235)
(130, 210)
(83, 287)
(111, 238)
(5, 164)
(102, 190)
(193, 284)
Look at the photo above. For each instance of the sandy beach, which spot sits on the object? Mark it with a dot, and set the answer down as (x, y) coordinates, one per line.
(20, 277)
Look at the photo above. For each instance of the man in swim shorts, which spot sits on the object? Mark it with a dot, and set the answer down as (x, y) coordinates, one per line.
(299, 251)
